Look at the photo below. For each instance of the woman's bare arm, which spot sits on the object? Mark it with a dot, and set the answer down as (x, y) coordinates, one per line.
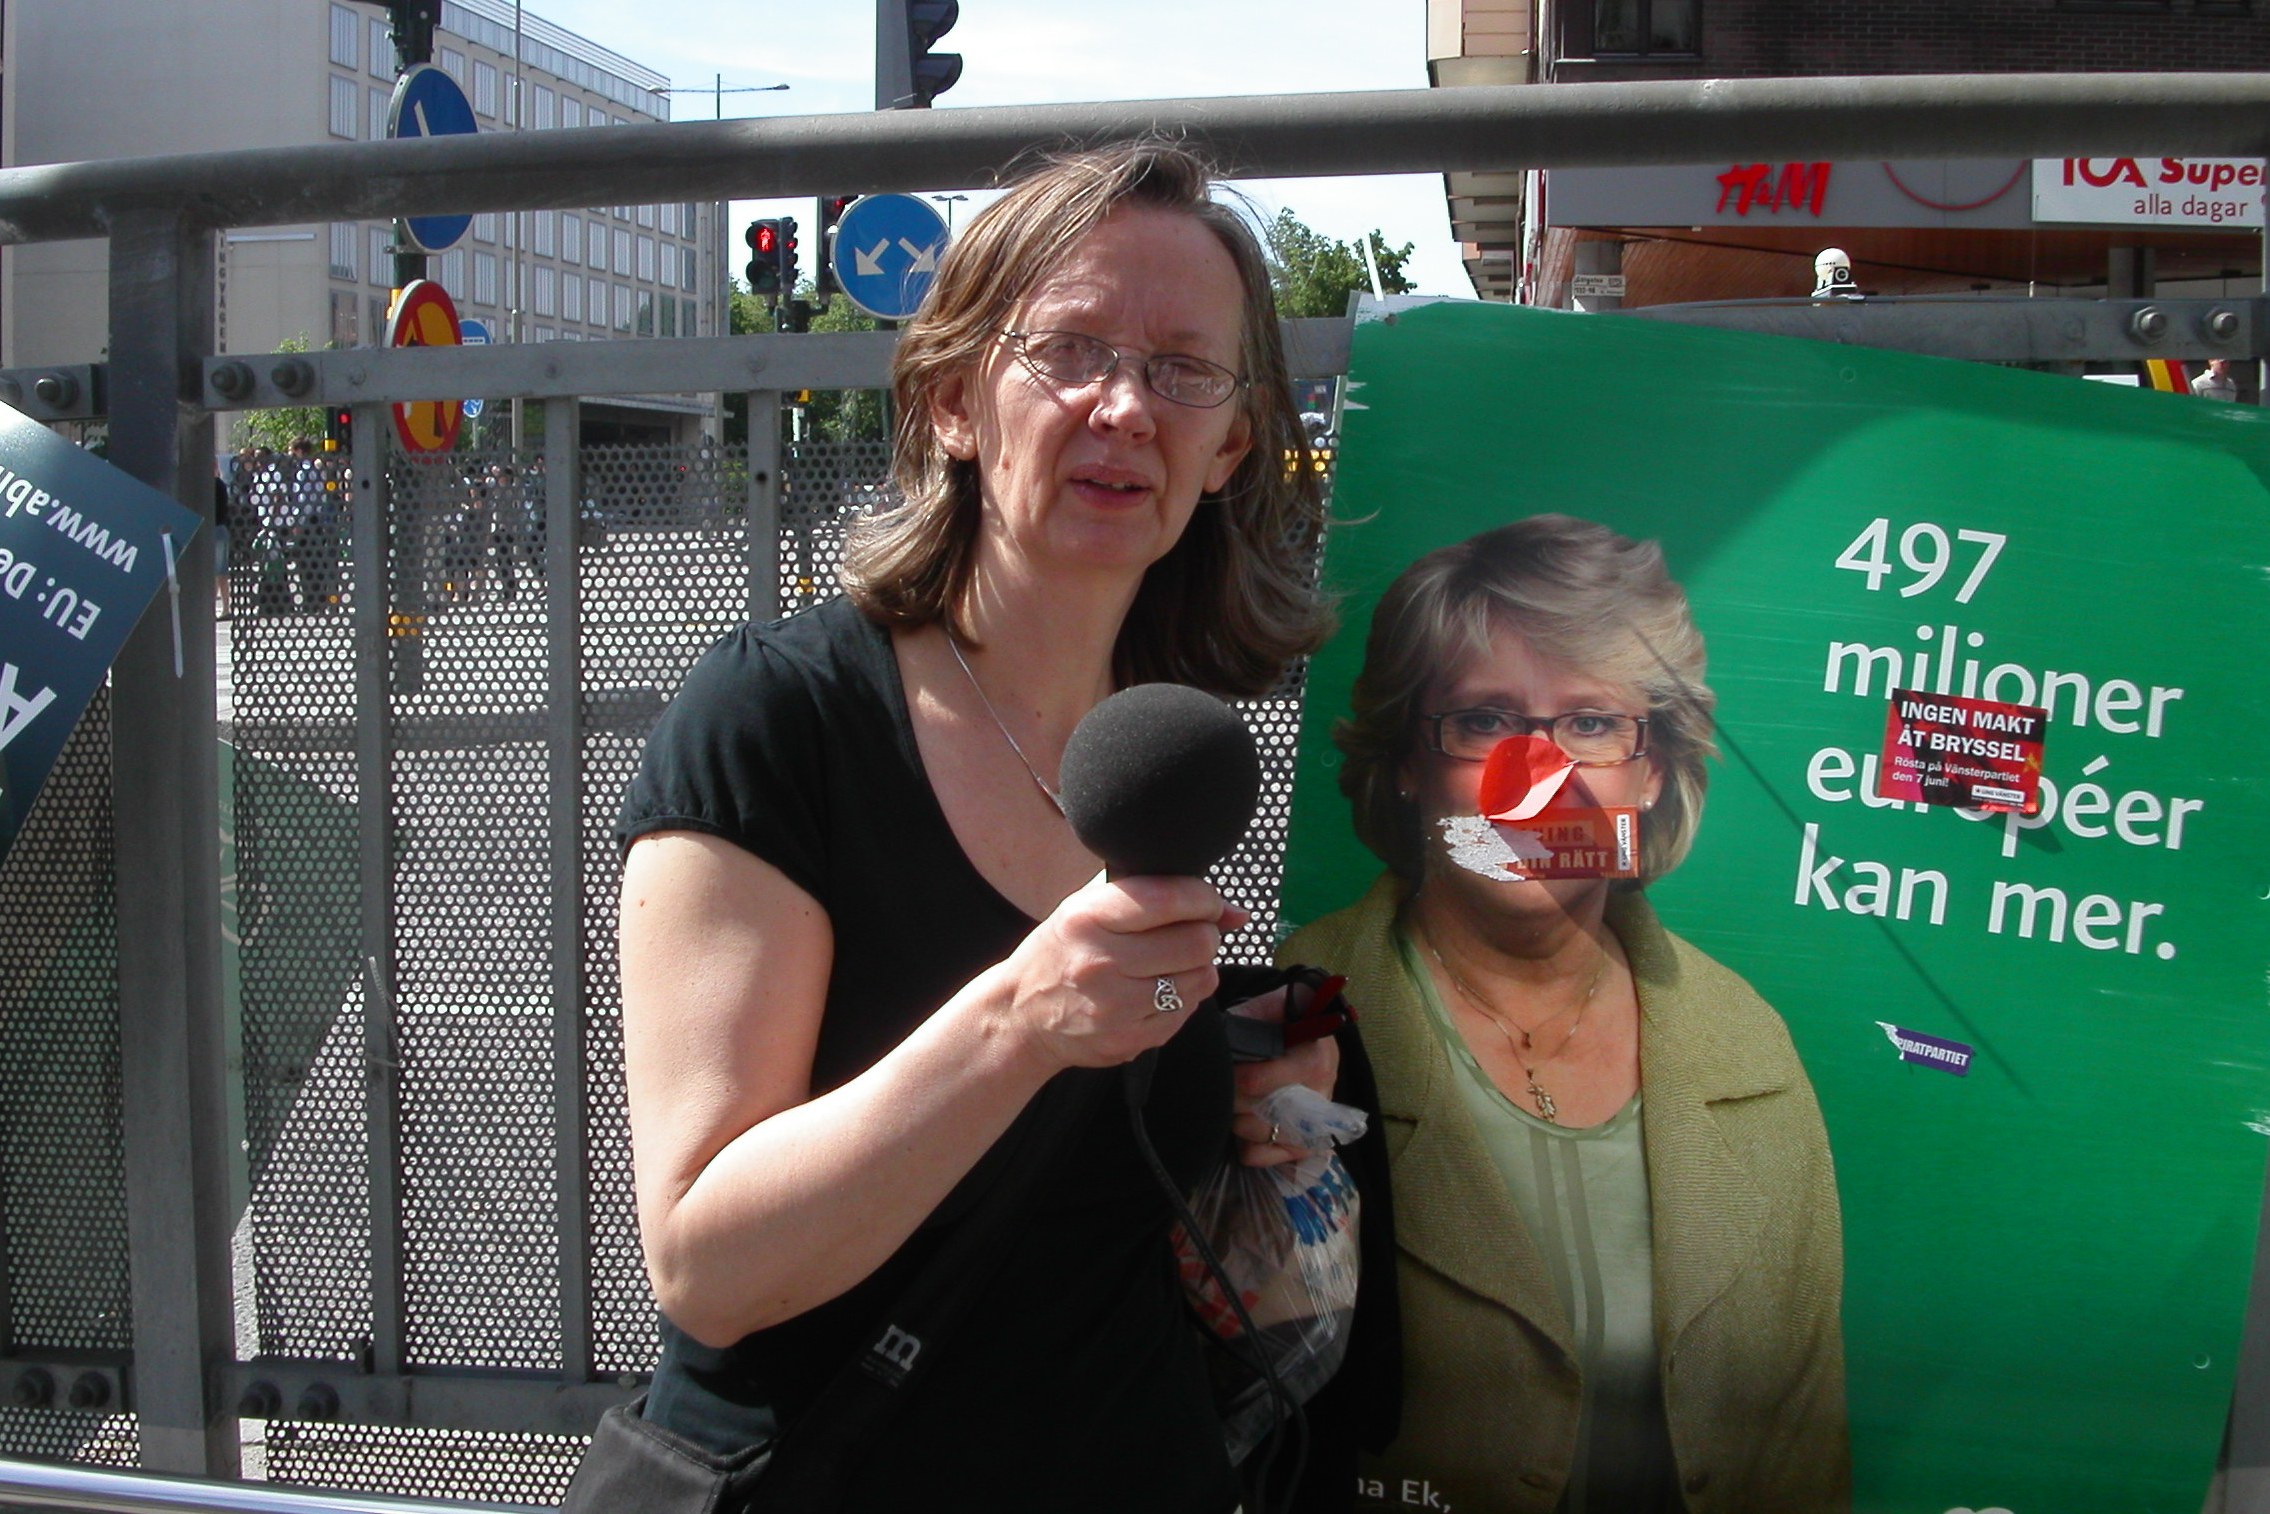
(758, 1202)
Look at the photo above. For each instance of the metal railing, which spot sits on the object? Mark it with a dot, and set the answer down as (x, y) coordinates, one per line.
(1477, 128)
(43, 1485)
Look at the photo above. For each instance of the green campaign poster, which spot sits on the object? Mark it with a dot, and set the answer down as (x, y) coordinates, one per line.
(2038, 1041)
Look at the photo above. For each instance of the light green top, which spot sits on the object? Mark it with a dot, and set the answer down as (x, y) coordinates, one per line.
(1582, 1193)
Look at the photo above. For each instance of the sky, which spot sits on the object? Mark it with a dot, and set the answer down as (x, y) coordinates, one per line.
(1033, 52)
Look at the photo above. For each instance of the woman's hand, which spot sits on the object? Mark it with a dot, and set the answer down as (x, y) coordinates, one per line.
(1315, 1064)
(1084, 987)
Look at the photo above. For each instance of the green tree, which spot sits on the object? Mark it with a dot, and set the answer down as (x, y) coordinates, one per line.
(749, 312)
(833, 415)
(1314, 274)
(278, 429)
(843, 415)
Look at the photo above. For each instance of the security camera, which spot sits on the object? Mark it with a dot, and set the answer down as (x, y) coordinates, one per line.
(1832, 276)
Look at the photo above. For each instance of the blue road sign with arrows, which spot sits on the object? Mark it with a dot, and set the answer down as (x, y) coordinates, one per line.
(428, 103)
(472, 333)
(886, 253)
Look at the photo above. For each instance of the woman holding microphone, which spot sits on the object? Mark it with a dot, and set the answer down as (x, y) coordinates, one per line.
(863, 952)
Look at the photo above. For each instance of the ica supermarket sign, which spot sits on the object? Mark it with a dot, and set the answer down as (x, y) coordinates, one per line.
(2149, 191)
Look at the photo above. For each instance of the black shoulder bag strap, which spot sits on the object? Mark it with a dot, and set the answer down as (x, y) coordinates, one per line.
(634, 1463)
(809, 1457)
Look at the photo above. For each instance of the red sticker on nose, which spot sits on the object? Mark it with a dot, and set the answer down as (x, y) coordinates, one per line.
(1523, 775)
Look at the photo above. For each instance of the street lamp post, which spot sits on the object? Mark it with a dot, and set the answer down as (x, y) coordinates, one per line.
(948, 202)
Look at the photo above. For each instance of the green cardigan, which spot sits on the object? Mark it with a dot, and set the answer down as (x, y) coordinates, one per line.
(1749, 1252)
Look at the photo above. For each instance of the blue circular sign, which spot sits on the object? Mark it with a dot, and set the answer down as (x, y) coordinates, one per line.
(473, 333)
(428, 103)
(886, 253)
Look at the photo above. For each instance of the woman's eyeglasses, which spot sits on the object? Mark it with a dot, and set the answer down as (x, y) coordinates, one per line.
(1592, 738)
(1068, 358)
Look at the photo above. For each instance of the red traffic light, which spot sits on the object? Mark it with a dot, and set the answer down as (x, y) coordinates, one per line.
(763, 238)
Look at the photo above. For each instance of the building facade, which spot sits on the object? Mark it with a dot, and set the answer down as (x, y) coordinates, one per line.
(226, 74)
(1734, 231)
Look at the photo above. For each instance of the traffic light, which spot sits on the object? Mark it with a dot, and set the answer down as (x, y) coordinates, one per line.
(788, 269)
(338, 429)
(413, 23)
(933, 73)
(763, 238)
(832, 208)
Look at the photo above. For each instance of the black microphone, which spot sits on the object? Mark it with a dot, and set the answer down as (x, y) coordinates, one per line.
(1159, 779)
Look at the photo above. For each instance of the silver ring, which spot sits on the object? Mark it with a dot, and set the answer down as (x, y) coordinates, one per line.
(1164, 999)
(1274, 1127)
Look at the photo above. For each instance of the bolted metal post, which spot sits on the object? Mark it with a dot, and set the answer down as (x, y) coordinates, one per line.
(563, 692)
(765, 597)
(378, 628)
(166, 786)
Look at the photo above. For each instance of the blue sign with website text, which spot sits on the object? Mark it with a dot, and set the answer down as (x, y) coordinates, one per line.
(83, 550)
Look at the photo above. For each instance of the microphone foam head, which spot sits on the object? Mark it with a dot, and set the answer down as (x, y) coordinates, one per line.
(1160, 779)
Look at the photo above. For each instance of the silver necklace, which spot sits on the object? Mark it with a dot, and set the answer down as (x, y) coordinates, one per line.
(1547, 1110)
(954, 644)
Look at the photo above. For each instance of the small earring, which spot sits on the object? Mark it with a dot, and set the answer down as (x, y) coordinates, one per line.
(1643, 809)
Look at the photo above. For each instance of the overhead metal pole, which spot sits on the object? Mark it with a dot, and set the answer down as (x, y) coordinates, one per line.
(1494, 127)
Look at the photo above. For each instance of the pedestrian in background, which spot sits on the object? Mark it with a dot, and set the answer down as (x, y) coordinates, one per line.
(2216, 383)
(309, 529)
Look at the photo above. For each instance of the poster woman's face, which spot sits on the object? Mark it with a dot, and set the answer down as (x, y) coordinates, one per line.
(1512, 677)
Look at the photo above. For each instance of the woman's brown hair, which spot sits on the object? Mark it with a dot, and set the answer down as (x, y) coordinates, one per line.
(1235, 601)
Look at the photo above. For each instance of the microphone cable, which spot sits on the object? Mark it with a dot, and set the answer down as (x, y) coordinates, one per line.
(1162, 779)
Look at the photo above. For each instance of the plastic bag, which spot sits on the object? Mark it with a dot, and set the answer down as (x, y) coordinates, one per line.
(1286, 1238)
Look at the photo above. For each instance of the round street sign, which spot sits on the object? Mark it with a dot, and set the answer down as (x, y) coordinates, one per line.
(425, 317)
(886, 253)
(428, 103)
(473, 333)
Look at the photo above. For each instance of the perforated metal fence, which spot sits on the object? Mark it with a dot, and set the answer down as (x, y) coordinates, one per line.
(398, 992)
(63, 1271)
(291, 789)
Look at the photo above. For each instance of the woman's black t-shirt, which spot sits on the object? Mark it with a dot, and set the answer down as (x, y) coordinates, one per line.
(1077, 1379)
